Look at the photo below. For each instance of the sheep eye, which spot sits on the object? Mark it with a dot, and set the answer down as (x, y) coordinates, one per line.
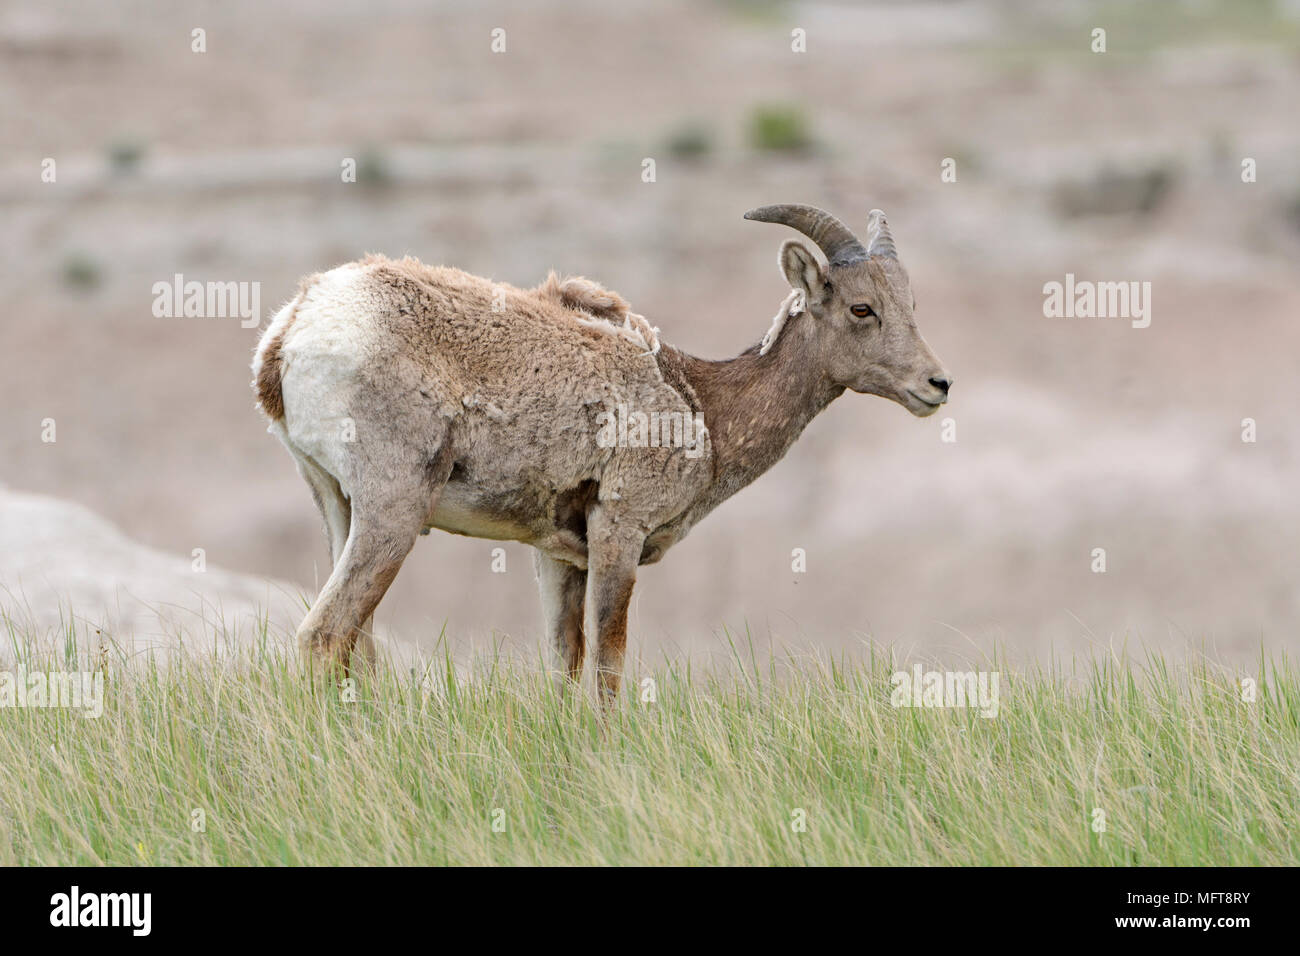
(862, 311)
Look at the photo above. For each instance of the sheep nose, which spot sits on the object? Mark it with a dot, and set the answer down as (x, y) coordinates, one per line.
(942, 383)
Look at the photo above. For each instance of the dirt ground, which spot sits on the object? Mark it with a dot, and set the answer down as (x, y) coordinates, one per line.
(1071, 434)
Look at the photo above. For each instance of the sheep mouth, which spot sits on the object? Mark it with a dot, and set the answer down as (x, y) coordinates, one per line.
(921, 407)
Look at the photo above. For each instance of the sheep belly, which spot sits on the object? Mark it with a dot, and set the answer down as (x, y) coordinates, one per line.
(465, 509)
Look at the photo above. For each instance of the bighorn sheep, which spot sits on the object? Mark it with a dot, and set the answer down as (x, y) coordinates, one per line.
(415, 397)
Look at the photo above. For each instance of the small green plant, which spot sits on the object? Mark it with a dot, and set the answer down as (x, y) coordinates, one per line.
(124, 155)
(80, 272)
(1292, 212)
(373, 168)
(692, 141)
(779, 127)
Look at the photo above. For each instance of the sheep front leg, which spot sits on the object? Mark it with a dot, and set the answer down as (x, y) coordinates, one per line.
(613, 551)
(562, 588)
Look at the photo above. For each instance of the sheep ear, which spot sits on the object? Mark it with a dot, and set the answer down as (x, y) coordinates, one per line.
(802, 270)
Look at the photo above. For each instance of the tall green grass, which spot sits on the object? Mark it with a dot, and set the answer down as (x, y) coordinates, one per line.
(719, 769)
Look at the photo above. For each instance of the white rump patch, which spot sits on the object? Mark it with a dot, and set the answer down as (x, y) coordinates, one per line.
(794, 303)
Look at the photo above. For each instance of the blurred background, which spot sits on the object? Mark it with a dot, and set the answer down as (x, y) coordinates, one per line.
(1071, 434)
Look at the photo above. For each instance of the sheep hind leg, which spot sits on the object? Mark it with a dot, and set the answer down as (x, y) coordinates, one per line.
(336, 512)
(385, 522)
(335, 509)
(562, 587)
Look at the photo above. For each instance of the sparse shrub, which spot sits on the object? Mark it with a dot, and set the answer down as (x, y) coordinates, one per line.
(124, 155)
(1293, 212)
(759, 11)
(373, 168)
(1134, 192)
(80, 272)
(779, 127)
(692, 141)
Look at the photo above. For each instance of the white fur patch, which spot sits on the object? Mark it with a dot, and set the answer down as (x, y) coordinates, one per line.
(794, 304)
(640, 326)
(635, 329)
(331, 337)
(275, 328)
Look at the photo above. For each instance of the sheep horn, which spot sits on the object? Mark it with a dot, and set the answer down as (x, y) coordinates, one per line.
(832, 236)
(880, 241)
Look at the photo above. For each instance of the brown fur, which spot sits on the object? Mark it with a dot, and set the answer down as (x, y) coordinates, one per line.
(269, 395)
(583, 295)
(270, 376)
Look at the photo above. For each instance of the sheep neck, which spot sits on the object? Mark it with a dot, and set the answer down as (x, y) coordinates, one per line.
(756, 406)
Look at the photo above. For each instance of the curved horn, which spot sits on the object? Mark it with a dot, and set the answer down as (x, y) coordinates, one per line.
(832, 236)
(880, 242)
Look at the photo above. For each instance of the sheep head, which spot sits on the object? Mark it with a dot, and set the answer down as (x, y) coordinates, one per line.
(861, 303)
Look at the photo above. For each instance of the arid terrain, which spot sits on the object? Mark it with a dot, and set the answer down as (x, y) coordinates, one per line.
(1072, 434)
